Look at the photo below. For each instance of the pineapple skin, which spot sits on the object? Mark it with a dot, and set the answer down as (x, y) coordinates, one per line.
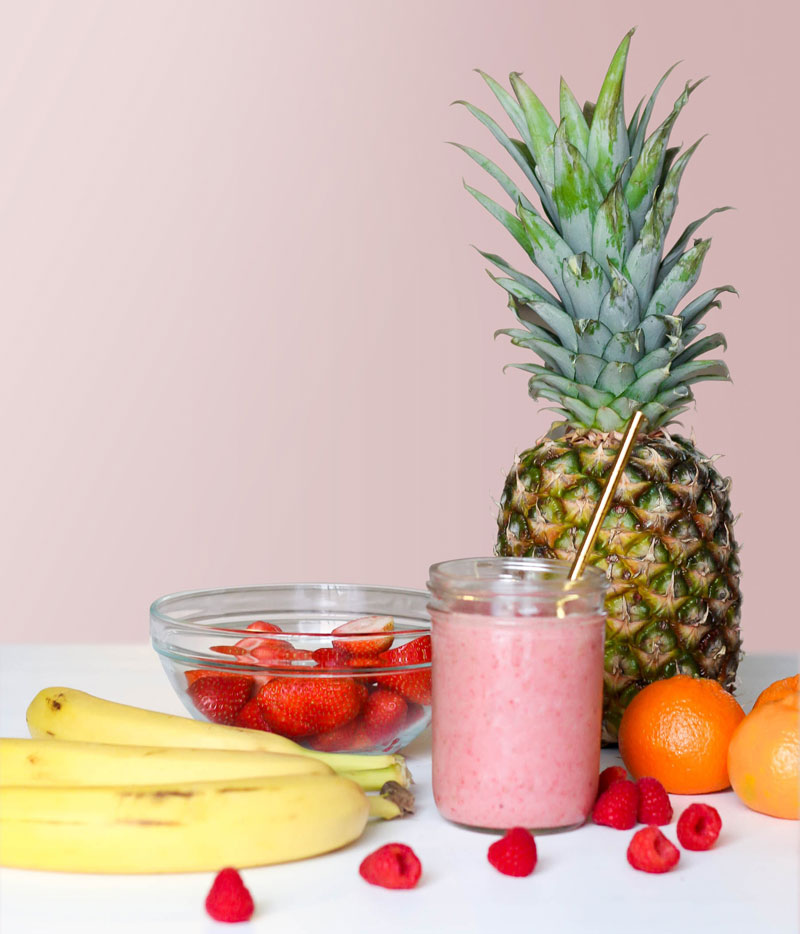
(667, 548)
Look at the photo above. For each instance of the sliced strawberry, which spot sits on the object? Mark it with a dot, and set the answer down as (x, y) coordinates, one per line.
(250, 717)
(220, 697)
(383, 715)
(300, 706)
(357, 631)
(228, 649)
(413, 685)
(260, 626)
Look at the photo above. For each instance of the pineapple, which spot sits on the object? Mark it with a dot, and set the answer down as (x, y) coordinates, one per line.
(611, 339)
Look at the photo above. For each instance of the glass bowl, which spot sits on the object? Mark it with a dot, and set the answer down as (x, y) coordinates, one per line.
(267, 658)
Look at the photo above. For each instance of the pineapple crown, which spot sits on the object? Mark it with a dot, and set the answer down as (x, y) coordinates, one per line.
(611, 339)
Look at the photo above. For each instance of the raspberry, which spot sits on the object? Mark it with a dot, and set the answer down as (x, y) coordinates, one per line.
(654, 804)
(617, 806)
(228, 898)
(698, 827)
(650, 851)
(515, 853)
(614, 773)
(393, 866)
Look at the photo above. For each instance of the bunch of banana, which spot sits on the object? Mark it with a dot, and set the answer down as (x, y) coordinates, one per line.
(66, 713)
(193, 799)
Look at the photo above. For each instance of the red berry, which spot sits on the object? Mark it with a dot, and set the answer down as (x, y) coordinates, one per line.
(339, 739)
(334, 658)
(617, 806)
(260, 626)
(650, 851)
(358, 629)
(220, 697)
(393, 866)
(228, 899)
(300, 706)
(383, 715)
(228, 649)
(614, 773)
(515, 853)
(698, 827)
(654, 804)
(414, 685)
(250, 717)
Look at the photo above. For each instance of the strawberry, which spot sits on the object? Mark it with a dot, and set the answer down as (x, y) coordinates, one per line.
(339, 739)
(278, 654)
(260, 626)
(515, 853)
(334, 658)
(650, 851)
(614, 773)
(393, 866)
(654, 804)
(250, 717)
(383, 715)
(220, 697)
(357, 629)
(617, 806)
(698, 827)
(228, 649)
(195, 673)
(300, 706)
(228, 899)
(414, 685)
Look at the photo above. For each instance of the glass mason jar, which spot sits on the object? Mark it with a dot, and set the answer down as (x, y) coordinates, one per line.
(517, 691)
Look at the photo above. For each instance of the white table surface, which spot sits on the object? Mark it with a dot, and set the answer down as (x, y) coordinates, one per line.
(748, 883)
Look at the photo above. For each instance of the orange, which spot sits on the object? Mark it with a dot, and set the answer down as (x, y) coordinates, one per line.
(764, 757)
(677, 730)
(778, 689)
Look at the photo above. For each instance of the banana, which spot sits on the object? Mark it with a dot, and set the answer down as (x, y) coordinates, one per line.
(66, 713)
(43, 762)
(179, 827)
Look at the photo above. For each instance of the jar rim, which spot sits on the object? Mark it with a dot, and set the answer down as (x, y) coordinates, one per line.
(511, 576)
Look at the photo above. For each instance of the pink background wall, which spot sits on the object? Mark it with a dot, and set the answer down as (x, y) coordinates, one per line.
(244, 337)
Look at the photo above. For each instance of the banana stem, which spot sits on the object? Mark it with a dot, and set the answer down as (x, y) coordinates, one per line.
(351, 761)
(393, 801)
(374, 779)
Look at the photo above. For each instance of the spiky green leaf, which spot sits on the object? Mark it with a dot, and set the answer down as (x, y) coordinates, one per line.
(700, 347)
(588, 368)
(675, 253)
(586, 283)
(620, 309)
(558, 321)
(519, 277)
(510, 105)
(512, 223)
(593, 337)
(510, 188)
(541, 126)
(695, 310)
(641, 128)
(646, 387)
(616, 377)
(696, 371)
(613, 235)
(680, 279)
(646, 174)
(575, 192)
(517, 152)
(625, 347)
(608, 136)
(577, 129)
(548, 250)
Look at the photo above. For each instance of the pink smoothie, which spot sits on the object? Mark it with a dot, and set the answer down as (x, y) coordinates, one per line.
(517, 706)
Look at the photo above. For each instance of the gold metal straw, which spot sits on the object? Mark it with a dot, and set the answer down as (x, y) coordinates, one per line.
(608, 493)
